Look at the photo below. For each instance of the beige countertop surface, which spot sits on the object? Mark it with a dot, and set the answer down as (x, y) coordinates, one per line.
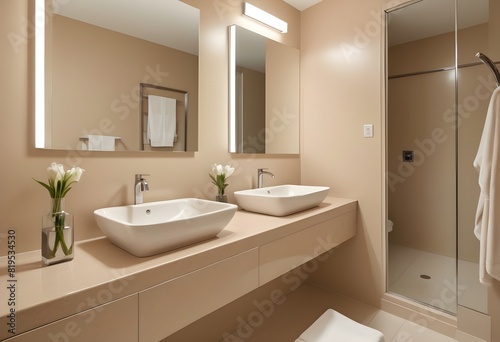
(102, 272)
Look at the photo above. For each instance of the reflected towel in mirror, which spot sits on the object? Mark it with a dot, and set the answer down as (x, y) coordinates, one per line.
(100, 142)
(161, 121)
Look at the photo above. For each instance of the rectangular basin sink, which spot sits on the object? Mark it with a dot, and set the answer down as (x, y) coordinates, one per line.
(281, 200)
(156, 227)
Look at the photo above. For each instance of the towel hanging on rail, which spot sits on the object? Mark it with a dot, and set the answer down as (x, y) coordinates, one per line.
(161, 121)
(487, 163)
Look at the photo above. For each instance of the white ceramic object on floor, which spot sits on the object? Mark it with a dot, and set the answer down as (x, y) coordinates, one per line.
(156, 227)
(333, 326)
(281, 200)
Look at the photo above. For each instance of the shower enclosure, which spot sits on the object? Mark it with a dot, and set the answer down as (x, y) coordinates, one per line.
(438, 92)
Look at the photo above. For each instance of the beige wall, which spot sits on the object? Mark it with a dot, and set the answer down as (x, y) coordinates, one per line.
(421, 196)
(282, 98)
(108, 179)
(341, 91)
(422, 55)
(96, 75)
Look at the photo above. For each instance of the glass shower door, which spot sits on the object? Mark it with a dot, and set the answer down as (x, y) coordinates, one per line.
(422, 153)
(438, 94)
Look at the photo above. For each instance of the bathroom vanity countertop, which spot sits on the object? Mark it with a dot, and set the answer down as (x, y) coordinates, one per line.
(102, 272)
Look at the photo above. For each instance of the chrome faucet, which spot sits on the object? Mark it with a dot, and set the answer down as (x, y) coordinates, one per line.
(260, 175)
(139, 187)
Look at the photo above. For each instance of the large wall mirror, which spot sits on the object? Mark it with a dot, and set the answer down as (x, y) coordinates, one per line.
(263, 94)
(119, 76)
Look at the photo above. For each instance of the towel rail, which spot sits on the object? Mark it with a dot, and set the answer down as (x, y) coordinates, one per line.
(87, 137)
(147, 96)
(486, 60)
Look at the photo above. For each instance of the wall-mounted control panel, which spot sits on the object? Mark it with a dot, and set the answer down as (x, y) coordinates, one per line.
(408, 156)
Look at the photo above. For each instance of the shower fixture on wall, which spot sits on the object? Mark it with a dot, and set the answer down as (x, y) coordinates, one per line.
(486, 60)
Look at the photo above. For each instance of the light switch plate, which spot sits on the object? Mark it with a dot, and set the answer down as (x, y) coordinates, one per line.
(368, 131)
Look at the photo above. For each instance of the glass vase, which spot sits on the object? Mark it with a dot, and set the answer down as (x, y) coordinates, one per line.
(221, 198)
(57, 234)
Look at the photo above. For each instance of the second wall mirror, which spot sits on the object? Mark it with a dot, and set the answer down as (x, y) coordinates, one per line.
(263, 94)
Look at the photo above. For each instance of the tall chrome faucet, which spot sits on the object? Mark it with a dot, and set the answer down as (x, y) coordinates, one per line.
(139, 187)
(260, 175)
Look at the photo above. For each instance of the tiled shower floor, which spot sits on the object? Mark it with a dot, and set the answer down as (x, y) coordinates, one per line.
(430, 278)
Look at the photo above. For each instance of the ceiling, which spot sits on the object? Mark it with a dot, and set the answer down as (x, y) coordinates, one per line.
(302, 4)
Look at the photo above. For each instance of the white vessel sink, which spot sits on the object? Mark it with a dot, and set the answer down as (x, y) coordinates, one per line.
(281, 200)
(156, 227)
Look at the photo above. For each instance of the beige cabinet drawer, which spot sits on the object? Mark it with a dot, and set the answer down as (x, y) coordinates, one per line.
(115, 321)
(282, 255)
(333, 232)
(172, 305)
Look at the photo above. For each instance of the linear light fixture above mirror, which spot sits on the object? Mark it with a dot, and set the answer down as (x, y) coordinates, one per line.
(264, 17)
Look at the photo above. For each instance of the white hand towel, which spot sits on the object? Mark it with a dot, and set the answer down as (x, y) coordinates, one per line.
(101, 142)
(333, 326)
(95, 142)
(487, 161)
(161, 121)
(108, 143)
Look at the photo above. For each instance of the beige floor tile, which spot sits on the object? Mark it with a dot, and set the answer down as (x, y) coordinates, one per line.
(387, 324)
(300, 309)
(417, 333)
